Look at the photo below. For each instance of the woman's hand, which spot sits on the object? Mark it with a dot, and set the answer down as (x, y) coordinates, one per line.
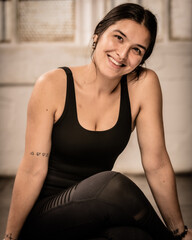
(188, 236)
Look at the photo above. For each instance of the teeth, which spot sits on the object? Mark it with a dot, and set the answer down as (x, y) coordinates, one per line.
(115, 62)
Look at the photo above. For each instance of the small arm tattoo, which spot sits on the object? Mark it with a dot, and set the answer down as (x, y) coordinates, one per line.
(39, 154)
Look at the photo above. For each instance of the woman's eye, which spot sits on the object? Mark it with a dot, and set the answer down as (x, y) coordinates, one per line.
(137, 51)
(119, 37)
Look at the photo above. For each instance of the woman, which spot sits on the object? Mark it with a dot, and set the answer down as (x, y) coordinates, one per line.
(79, 121)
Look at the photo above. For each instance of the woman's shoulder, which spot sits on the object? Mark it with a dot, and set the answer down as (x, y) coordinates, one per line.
(150, 75)
(53, 77)
(52, 81)
(146, 88)
(147, 75)
(148, 79)
(150, 88)
(50, 87)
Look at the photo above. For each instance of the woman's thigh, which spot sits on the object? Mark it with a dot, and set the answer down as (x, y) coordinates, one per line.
(73, 214)
(99, 202)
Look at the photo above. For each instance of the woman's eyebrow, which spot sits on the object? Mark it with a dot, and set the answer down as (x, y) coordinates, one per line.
(119, 31)
(123, 34)
(141, 46)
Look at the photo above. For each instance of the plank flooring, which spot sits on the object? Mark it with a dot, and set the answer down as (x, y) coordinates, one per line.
(184, 186)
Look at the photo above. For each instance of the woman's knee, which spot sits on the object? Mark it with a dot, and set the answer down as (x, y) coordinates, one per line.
(92, 186)
(113, 189)
(120, 191)
(119, 187)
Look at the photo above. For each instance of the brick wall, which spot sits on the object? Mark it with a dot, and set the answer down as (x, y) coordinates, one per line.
(22, 62)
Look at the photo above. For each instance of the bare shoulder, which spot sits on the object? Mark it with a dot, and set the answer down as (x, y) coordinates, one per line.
(148, 78)
(149, 87)
(48, 95)
(50, 86)
(52, 79)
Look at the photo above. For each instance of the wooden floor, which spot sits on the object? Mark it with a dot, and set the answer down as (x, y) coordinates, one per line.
(184, 186)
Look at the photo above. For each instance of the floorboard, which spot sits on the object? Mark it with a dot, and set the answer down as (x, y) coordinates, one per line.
(184, 186)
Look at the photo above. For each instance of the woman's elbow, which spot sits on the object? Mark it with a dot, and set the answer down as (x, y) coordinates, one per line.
(40, 173)
(36, 172)
(156, 163)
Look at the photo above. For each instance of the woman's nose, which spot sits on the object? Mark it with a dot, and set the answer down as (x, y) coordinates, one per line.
(123, 53)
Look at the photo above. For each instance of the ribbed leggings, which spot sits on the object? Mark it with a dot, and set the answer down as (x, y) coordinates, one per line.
(107, 205)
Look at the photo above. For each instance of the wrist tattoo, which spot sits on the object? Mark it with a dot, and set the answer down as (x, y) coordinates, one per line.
(180, 236)
(37, 154)
(9, 236)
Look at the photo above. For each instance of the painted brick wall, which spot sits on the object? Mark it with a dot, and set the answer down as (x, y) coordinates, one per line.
(21, 63)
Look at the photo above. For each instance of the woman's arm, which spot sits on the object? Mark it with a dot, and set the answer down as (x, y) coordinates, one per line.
(33, 168)
(155, 159)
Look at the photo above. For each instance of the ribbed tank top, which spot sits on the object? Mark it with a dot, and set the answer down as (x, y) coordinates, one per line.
(78, 153)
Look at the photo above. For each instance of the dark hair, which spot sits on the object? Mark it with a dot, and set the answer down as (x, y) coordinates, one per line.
(136, 13)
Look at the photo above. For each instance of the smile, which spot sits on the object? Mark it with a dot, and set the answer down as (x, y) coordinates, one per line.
(118, 64)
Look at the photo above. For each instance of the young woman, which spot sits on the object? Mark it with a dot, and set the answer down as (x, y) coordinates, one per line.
(79, 121)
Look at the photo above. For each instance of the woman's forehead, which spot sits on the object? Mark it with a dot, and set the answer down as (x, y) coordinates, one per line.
(131, 30)
(127, 24)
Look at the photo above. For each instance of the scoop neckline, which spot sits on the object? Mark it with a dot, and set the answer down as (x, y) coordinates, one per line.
(99, 131)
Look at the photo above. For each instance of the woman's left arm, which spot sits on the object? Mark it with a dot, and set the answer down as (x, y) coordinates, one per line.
(155, 159)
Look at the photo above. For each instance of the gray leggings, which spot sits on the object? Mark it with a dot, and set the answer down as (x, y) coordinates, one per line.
(107, 205)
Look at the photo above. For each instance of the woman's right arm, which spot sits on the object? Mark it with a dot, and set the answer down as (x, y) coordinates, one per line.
(33, 168)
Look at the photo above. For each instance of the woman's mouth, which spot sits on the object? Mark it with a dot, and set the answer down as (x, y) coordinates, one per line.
(116, 63)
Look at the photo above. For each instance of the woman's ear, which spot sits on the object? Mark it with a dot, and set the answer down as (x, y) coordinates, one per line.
(95, 38)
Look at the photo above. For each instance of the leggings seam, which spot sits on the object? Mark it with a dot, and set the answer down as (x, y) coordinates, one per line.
(106, 183)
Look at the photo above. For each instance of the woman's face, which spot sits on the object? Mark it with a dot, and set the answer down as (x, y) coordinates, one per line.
(120, 48)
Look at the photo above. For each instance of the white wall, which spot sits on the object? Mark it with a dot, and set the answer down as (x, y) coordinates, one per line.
(22, 63)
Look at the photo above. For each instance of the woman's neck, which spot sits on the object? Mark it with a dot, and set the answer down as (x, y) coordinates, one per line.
(89, 77)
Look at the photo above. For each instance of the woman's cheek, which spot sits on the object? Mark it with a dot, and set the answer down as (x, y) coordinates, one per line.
(135, 59)
(111, 43)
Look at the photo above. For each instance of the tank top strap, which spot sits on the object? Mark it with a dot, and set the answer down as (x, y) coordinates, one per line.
(124, 89)
(125, 107)
(70, 102)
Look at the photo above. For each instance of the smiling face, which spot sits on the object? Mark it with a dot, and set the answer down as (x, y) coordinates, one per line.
(120, 49)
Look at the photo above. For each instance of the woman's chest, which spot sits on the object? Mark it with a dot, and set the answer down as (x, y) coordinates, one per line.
(97, 113)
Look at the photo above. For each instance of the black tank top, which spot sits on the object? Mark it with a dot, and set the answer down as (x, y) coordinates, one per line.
(78, 153)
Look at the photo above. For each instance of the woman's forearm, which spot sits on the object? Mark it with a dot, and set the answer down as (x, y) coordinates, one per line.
(26, 190)
(163, 186)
